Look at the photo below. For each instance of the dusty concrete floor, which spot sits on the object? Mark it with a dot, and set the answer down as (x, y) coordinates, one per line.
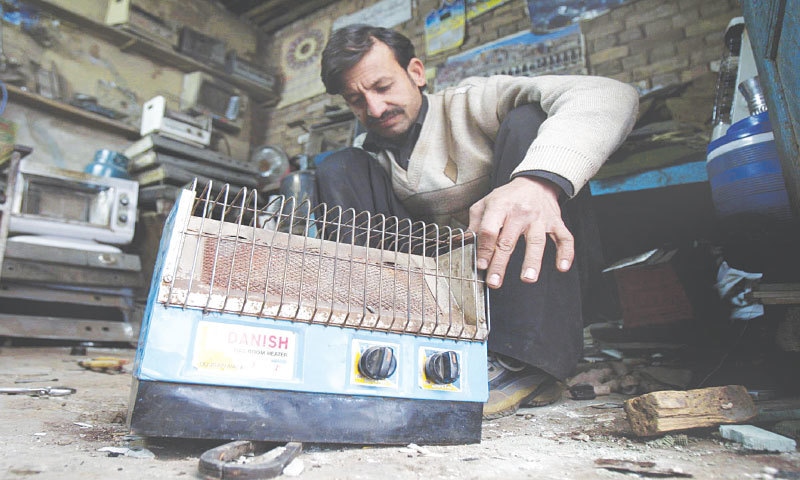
(62, 437)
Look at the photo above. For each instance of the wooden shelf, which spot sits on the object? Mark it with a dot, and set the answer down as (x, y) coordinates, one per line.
(67, 110)
(161, 54)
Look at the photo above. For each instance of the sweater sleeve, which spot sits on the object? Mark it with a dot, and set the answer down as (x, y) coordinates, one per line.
(588, 118)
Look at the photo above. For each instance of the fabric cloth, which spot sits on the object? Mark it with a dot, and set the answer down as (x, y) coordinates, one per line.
(540, 324)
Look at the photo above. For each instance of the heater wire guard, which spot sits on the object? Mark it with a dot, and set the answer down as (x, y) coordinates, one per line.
(286, 259)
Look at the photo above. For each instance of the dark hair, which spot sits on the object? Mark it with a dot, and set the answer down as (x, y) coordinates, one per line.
(348, 45)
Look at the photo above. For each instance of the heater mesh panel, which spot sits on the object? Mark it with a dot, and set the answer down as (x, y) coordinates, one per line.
(321, 265)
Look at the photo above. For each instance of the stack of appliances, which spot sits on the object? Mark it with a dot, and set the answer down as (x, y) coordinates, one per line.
(64, 273)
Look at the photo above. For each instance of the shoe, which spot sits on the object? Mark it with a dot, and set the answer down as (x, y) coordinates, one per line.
(513, 383)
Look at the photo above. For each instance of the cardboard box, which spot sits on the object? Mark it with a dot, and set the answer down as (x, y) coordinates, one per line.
(650, 291)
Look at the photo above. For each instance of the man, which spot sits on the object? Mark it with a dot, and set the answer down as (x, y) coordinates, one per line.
(499, 155)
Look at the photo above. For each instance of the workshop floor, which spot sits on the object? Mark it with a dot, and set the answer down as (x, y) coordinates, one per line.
(83, 436)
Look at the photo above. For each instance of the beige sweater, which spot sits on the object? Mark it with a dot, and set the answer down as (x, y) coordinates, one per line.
(450, 167)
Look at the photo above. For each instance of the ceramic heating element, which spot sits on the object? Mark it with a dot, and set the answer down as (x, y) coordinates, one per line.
(285, 321)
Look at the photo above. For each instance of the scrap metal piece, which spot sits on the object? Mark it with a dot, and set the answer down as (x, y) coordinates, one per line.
(643, 468)
(39, 391)
(218, 462)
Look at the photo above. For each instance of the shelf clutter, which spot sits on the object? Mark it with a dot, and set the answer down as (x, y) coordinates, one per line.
(264, 89)
(163, 165)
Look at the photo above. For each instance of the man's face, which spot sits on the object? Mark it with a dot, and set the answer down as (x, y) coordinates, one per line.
(383, 95)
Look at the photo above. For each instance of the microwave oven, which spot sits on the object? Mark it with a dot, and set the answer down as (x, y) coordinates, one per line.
(52, 201)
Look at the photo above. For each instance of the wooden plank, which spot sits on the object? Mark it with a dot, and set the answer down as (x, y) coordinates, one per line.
(71, 112)
(670, 410)
(777, 294)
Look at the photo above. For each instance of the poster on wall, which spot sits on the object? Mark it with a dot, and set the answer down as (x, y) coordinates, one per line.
(386, 13)
(478, 7)
(300, 57)
(548, 15)
(525, 53)
(444, 28)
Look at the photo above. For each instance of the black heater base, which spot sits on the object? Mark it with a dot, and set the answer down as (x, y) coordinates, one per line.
(162, 409)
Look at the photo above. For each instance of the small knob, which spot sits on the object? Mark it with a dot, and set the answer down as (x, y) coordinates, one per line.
(123, 218)
(377, 363)
(124, 200)
(443, 367)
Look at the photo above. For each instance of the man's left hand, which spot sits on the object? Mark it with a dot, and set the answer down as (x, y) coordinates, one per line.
(525, 207)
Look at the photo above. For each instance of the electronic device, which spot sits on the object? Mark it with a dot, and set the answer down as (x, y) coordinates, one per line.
(191, 129)
(275, 321)
(202, 47)
(237, 67)
(134, 19)
(52, 201)
(202, 93)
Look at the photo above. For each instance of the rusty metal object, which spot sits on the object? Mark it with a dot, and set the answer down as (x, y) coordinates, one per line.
(219, 462)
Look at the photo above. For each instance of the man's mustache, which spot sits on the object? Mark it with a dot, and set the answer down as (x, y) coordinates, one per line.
(384, 116)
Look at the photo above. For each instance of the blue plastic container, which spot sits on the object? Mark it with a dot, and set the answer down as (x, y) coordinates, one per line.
(745, 173)
(108, 163)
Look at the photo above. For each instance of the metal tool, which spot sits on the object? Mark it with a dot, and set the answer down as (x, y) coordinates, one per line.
(219, 462)
(39, 391)
(283, 322)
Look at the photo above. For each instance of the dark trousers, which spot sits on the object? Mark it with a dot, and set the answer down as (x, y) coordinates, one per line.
(540, 324)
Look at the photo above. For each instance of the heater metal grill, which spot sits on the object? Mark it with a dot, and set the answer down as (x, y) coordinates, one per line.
(287, 260)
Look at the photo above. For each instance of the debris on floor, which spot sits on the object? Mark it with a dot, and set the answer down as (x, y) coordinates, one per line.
(646, 469)
(104, 364)
(757, 439)
(670, 410)
(85, 434)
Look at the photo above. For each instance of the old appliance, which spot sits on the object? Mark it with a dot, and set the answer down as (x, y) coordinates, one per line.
(202, 93)
(61, 282)
(237, 67)
(279, 322)
(192, 129)
(202, 47)
(138, 21)
(48, 200)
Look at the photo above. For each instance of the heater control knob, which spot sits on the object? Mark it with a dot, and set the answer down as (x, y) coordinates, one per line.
(124, 200)
(123, 218)
(443, 367)
(377, 362)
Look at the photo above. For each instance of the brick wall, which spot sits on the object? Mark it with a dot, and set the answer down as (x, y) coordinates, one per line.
(655, 43)
(646, 43)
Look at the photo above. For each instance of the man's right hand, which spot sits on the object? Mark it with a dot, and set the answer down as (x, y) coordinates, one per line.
(525, 207)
